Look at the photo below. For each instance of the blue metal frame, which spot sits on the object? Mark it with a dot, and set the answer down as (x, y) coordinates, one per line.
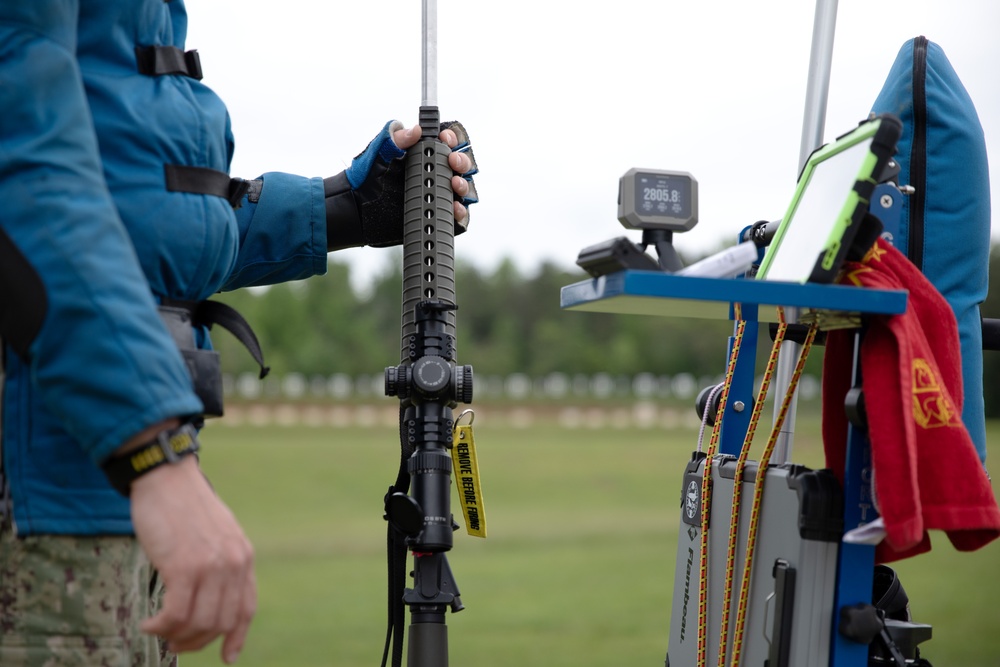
(736, 421)
(653, 293)
(856, 562)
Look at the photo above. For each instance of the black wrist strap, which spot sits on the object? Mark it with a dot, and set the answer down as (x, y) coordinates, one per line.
(169, 446)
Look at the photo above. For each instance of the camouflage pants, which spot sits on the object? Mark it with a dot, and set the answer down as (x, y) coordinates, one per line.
(73, 601)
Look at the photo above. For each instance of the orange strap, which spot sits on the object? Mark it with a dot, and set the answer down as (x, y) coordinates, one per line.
(706, 487)
(741, 462)
(758, 491)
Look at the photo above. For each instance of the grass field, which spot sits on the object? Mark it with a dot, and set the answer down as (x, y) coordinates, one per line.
(578, 567)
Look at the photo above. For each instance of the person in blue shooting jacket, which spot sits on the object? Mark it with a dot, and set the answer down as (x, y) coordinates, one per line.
(119, 220)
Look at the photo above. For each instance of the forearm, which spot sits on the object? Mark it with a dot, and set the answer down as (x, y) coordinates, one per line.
(282, 231)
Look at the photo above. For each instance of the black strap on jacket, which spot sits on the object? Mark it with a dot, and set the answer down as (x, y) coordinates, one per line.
(160, 60)
(205, 181)
(206, 313)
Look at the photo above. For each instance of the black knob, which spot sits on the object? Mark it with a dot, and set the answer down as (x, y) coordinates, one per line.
(405, 514)
(701, 403)
(463, 384)
(397, 380)
(860, 623)
(390, 381)
(854, 406)
(431, 375)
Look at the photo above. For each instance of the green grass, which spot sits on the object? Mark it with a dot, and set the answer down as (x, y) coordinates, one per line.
(577, 569)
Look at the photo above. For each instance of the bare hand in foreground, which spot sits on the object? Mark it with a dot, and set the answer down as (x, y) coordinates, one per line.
(206, 561)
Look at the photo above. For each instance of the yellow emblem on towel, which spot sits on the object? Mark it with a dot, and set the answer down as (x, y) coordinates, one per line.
(931, 406)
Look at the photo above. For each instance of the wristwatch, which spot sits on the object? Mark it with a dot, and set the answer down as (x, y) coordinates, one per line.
(169, 446)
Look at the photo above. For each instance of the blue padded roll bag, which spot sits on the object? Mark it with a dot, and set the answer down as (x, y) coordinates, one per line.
(945, 226)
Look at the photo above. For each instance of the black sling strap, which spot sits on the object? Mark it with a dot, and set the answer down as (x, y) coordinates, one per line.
(207, 313)
(160, 60)
(397, 551)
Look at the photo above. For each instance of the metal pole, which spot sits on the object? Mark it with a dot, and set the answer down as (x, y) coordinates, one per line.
(813, 122)
(428, 59)
(818, 84)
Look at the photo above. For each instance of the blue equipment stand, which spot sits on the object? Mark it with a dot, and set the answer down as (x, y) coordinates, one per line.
(654, 293)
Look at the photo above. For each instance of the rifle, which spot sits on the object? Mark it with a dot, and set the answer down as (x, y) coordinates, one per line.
(429, 383)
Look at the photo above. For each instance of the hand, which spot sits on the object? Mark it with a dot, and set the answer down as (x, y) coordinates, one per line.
(364, 204)
(459, 162)
(196, 545)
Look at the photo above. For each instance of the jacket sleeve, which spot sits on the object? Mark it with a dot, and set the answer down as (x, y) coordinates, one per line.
(282, 228)
(100, 358)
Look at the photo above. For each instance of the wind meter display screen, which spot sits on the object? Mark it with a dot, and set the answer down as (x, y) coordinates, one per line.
(658, 199)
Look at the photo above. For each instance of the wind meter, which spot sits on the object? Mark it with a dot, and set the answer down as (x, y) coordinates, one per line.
(658, 199)
(659, 203)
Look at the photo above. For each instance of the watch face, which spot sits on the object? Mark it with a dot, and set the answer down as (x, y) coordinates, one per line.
(179, 442)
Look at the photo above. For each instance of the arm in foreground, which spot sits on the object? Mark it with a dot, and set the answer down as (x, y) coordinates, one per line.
(199, 549)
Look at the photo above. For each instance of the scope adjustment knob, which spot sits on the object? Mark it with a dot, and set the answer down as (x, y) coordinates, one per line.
(397, 381)
(431, 375)
(463, 384)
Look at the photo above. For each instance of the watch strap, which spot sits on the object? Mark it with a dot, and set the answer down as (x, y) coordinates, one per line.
(169, 446)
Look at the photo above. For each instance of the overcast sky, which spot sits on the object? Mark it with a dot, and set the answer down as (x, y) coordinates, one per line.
(561, 98)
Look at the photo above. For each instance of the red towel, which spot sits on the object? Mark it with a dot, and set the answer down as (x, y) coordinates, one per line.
(926, 470)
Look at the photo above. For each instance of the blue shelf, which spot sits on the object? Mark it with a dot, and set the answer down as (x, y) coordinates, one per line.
(653, 293)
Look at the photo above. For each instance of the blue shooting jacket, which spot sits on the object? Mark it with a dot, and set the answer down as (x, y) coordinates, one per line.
(84, 139)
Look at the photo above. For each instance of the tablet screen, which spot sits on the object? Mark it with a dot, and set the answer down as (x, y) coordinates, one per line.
(823, 208)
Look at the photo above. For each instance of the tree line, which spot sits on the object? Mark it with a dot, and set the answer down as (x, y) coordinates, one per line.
(508, 321)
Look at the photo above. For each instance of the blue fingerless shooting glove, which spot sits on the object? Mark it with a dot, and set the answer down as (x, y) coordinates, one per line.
(364, 203)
